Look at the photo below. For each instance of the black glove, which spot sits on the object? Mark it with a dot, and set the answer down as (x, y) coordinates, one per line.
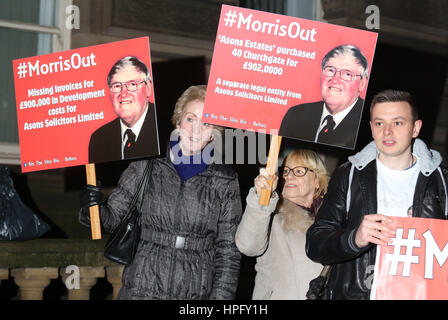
(90, 195)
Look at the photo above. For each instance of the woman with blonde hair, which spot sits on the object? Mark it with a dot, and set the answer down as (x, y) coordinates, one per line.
(276, 233)
(190, 213)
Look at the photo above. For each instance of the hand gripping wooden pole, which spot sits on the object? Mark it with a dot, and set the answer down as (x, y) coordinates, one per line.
(95, 225)
(271, 167)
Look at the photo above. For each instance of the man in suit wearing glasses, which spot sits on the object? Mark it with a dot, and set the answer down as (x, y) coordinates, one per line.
(133, 133)
(335, 119)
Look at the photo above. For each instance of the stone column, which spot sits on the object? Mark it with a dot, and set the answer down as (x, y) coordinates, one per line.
(4, 274)
(114, 276)
(79, 280)
(33, 281)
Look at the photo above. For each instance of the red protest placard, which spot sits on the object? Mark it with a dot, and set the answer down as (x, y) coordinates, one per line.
(265, 64)
(414, 266)
(67, 114)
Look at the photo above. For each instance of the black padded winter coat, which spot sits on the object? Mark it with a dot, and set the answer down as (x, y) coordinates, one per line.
(187, 248)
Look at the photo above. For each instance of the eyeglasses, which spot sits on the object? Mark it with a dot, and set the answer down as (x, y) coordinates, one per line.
(132, 85)
(298, 171)
(346, 75)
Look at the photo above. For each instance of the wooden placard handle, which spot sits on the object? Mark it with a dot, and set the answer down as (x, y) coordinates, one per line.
(95, 225)
(271, 167)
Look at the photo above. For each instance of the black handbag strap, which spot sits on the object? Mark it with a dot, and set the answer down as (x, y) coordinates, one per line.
(143, 181)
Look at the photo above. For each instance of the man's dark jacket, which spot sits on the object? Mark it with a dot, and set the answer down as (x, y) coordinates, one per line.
(303, 122)
(331, 239)
(106, 142)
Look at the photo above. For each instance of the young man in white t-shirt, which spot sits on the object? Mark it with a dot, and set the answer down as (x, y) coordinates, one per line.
(394, 175)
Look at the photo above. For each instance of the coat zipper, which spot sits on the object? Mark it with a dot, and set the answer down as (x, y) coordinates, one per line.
(173, 257)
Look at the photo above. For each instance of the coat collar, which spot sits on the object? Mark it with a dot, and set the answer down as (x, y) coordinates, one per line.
(216, 170)
(428, 159)
(293, 216)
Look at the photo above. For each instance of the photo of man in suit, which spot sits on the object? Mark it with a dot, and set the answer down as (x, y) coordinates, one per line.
(133, 133)
(334, 120)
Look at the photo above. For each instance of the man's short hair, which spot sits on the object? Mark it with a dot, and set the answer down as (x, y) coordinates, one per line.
(128, 61)
(391, 95)
(351, 50)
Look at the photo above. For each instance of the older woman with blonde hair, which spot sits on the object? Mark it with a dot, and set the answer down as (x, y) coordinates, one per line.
(276, 233)
(190, 213)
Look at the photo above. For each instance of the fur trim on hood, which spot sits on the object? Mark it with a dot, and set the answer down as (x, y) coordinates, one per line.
(294, 216)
